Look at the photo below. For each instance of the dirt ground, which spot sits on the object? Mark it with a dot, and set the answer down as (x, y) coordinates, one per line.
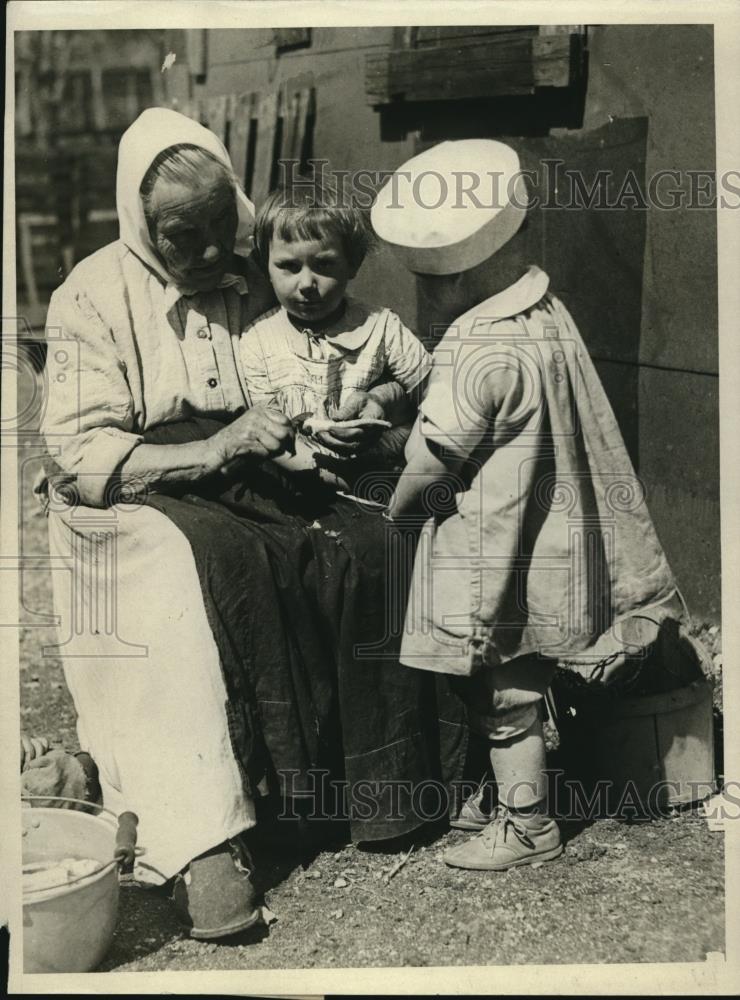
(643, 892)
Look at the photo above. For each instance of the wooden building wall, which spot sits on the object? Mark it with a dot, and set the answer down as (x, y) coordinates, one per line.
(642, 285)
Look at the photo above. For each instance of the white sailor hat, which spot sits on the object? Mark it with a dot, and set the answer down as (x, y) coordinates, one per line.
(452, 206)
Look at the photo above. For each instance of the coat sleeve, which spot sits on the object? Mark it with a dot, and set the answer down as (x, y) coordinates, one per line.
(483, 389)
(89, 423)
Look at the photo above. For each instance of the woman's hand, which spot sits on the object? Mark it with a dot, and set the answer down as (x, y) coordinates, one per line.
(32, 747)
(354, 440)
(261, 432)
(54, 774)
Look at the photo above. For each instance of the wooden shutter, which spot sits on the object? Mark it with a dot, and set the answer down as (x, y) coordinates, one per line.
(452, 63)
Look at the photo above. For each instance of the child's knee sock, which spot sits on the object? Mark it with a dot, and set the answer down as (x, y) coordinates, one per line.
(519, 768)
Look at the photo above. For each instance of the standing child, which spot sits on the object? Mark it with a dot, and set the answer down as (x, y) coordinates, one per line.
(549, 544)
(320, 352)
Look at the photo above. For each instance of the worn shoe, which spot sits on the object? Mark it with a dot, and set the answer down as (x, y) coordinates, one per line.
(215, 895)
(507, 842)
(473, 815)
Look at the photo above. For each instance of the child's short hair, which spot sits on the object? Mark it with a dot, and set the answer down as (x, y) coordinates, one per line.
(307, 209)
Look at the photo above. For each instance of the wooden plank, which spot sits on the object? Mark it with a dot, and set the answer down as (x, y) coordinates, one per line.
(32, 258)
(27, 268)
(552, 63)
(132, 97)
(296, 105)
(480, 65)
(228, 106)
(23, 116)
(267, 117)
(196, 52)
(240, 116)
(156, 83)
(562, 29)
(289, 104)
(73, 108)
(404, 37)
(203, 109)
(100, 117)
(217, 115)
(484, 69)
(426, 36)
(200, 109)
(423, 67)
(291, 38)
(305, 110)
(494, 50)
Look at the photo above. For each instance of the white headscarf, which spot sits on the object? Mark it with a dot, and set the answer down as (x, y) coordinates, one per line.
(155, 130)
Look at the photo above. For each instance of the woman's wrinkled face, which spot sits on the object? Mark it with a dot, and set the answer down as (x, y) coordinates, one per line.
(193, 229)
(309, 277)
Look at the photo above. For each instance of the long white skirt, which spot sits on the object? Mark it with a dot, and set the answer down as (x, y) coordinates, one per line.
(143, 670)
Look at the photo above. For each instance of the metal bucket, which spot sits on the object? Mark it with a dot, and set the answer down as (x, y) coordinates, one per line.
(652, 752)
(69, 928)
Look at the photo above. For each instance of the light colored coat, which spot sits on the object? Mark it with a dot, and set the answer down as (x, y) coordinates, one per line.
(548, 541)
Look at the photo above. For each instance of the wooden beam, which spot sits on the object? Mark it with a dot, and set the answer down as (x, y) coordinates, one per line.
(98, 97)
(450, 72)
(475, 64)
(156, 82)
(217, 115)
(425, 37)
(267, 117)
(240, 111)
(196, 52)
(296, 108)
(23, 115)
(291, 38)
(552, 63)
(199, 109)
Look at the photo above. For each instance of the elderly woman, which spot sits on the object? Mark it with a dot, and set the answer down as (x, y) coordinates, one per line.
(213, 644)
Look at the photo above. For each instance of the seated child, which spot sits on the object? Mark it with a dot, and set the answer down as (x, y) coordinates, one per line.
(319, 350)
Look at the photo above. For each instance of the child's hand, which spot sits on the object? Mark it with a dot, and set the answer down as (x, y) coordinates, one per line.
(354, 440)
(31, 748)
(360, 404)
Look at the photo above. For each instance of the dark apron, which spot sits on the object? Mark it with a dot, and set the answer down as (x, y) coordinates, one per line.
(306, 611)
